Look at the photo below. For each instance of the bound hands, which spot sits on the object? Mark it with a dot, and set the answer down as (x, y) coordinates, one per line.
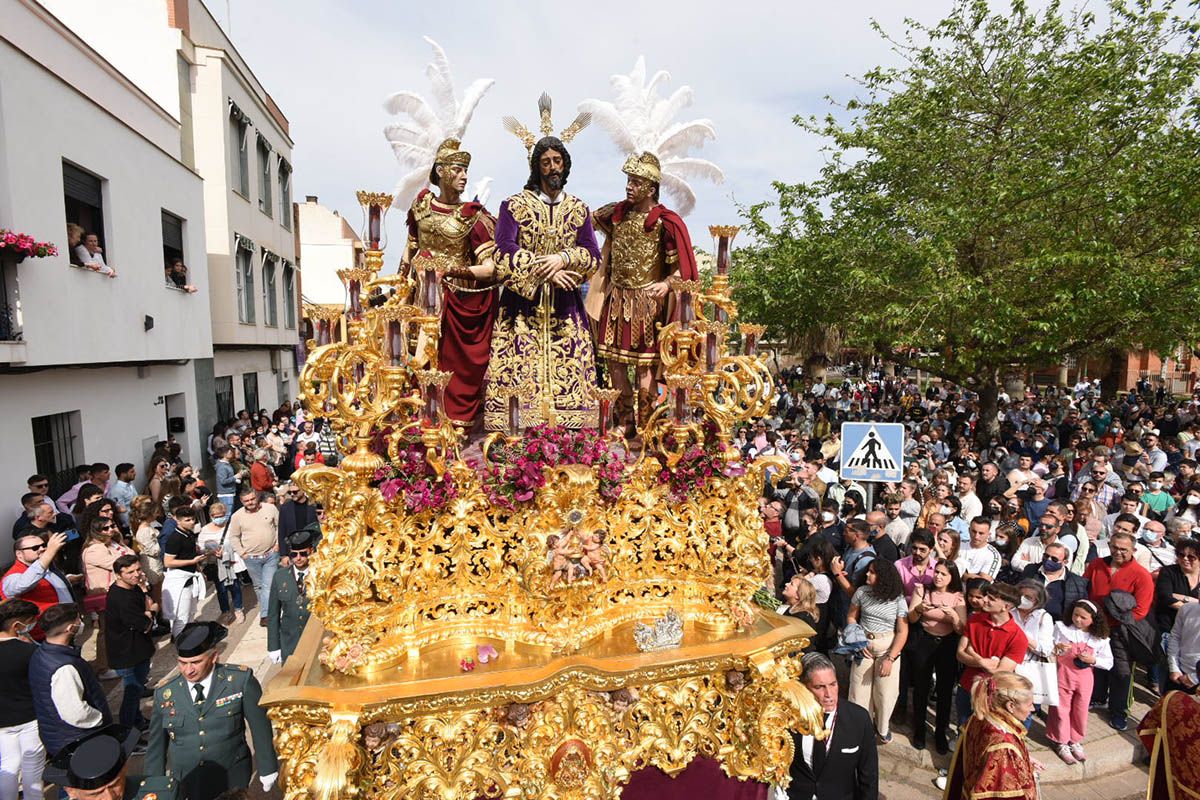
(553, 268)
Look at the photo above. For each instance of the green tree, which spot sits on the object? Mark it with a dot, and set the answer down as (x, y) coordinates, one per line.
(1023, 187)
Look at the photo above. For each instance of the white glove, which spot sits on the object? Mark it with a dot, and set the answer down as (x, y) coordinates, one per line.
(276, 656)
(268, 781)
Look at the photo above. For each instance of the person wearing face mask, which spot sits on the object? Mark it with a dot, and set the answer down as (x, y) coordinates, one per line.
(19, 742)
(1038, 626)
(1063, 587)
(1188, 507)
(222, 571)
(1154, 551)
(1031, 550)
(67, 696)
(1156, 498)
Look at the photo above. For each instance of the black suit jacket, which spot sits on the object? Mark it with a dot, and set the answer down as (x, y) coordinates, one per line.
(850, 767)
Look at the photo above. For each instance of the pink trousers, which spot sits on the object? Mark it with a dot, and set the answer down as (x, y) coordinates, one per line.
(1067, 722)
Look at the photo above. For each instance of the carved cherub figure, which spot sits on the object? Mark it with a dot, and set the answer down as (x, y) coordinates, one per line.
(735, 680)
(376, 737)
(623, 699)
(557, 554)
(595, 554)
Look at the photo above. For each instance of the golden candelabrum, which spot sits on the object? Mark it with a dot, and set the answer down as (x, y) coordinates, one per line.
(478, 649)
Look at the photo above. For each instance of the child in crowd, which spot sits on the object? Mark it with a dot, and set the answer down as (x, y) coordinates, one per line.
(975, 588)
(1080, 647)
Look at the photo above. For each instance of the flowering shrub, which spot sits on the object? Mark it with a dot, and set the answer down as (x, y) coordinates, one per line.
(699, 464)
(22, 245)
(415, 482)
(514, 471)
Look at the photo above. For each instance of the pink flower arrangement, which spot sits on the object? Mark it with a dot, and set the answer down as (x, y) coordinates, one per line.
(699, 465)
(514, 472)
(23, 245)
(415, 482)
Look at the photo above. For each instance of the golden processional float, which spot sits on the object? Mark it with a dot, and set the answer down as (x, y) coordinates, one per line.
(473, 637)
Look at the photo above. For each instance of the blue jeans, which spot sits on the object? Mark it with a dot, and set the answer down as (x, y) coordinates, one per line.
(134, 680)
(227, 593)
(962, 702)
(262, 570)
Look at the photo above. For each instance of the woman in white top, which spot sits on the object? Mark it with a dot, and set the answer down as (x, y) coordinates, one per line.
(143, 523)
(1039, 664)
(91, 255)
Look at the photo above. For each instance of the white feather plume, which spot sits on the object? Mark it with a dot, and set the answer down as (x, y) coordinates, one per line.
(423, 125)
(481, 190)
(639, 120)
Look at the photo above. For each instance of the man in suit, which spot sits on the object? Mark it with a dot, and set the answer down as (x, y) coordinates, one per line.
(844, 766)
(287, 609)
(198, 725)
(294, 515)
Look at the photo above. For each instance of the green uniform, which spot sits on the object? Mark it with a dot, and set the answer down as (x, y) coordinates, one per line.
(287, 613)
(205, 748)
(160, 788)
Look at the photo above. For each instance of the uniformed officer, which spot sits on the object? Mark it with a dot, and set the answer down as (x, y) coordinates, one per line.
(198, 725)
(287, 610)
(93, 768)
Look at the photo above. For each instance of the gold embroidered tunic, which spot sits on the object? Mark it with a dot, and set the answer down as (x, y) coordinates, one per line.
(541, 344)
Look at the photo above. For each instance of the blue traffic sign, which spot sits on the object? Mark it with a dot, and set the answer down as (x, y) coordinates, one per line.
(872, 451)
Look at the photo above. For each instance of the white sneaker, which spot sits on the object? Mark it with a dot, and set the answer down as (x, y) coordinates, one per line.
(239, 616)
(1064, 752)
(108, 675)
(1077, 751)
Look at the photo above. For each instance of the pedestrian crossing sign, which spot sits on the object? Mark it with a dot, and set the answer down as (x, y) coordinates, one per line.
(872, 451)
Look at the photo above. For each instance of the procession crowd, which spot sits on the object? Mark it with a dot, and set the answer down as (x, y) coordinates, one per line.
(128, 562)
(1034, 574)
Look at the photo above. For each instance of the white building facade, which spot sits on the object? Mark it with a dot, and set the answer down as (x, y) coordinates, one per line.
(328, 243)
(93, 368)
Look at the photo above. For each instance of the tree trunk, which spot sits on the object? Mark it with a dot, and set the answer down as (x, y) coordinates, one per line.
(815, 366)
(988, 427)
(1113, 378)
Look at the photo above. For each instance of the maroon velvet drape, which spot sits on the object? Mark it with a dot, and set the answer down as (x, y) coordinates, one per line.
(702, 778)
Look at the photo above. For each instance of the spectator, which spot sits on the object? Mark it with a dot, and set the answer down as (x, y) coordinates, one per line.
(844, 766)
(34, 577)
(294, 515)
(1176, 586)
(917, 569)
(937, 614)
(309, 456)
(1038, 626)
(254, 536)
(223, 571)
(880, 542)
(142, 517)
(800, 601)
(1183, 650)
(980, 559)
(992, 643)
(308, 435)
(22, 755)
(1156, 498)
(75, 249)
(1033, 548)
(993, 483)
(91, 255)
(160, 468)
(100, 550)
(122, 491)
(946, 546)
(30, 502)
(176, 273)
(262, 477)
(67, 696)
(1063, 587)
(1118, 572)
(972, 505)
(1079, 647)
(878, 606)
(129, 618)
(1154, 551)
(183, 586)
(83, 477)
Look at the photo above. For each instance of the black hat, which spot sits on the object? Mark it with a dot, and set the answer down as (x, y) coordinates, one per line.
(304, 539)
(93, 760)
(197, 638)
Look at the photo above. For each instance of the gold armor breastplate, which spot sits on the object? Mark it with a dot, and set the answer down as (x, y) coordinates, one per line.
(637, 257)
(441, 238)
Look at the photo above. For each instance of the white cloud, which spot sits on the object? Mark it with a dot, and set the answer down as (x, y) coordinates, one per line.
(752, 66)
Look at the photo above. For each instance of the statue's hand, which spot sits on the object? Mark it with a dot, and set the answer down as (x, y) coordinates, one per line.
(565, 279)
(658, 290)
(546, 266)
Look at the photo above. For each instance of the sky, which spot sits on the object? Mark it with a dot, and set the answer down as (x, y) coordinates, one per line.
(752, 66)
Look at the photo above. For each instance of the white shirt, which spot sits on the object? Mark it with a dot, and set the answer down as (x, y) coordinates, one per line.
(206, 683)
(979, 560)
(1155, 557)
(972, 506)
(1069, 634)
(807, 742)
(66, 690)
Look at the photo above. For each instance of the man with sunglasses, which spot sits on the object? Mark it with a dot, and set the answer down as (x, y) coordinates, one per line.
(294, 515)
(287, 609)
(1063, 587)
(34, 577)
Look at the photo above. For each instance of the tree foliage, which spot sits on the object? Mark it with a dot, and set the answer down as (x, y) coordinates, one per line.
(1021, 188)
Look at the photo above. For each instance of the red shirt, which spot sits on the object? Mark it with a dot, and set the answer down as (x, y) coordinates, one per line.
(991, 640)
(1132, 577)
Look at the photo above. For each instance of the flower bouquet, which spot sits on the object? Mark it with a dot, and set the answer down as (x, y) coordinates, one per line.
(700, 464)
(415, 482)
(514, 470)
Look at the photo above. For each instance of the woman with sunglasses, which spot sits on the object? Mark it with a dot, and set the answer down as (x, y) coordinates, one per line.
(1177, 585)
(101, 547)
